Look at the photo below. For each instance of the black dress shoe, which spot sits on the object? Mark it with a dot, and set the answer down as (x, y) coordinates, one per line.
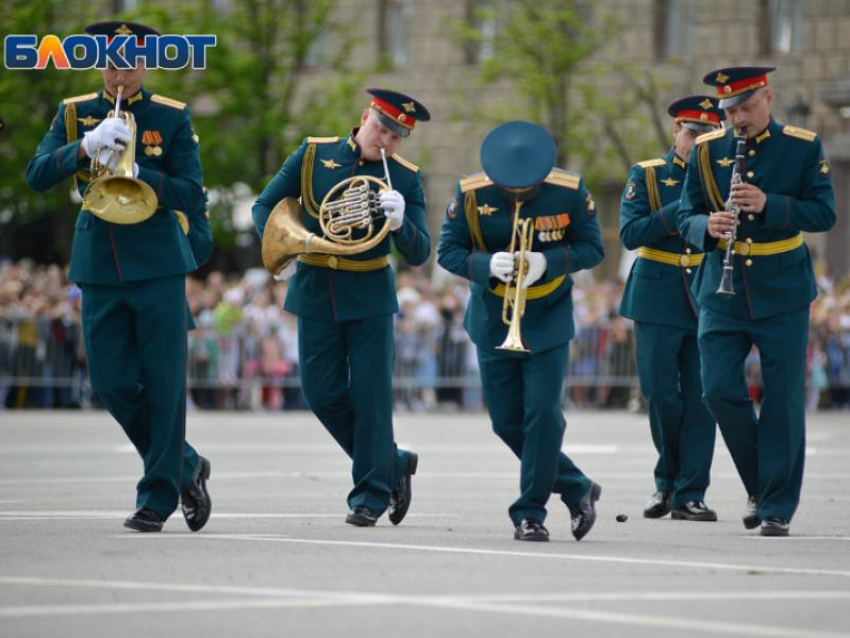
(772, 526)
(584, 514)
(196, 501)
(361, 516)
(144, 520)
(694, 511)
(751, 519)
(403, 492)
(658, 505)
(530, 529)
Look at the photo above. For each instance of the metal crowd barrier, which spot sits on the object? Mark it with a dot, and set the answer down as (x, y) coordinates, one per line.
(42, 364)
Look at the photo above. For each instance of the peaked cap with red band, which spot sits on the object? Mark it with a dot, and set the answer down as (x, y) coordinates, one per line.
(738, 83)
(699, 113)
(398, 112)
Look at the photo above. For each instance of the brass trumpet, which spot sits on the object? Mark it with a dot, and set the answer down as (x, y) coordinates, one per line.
(116, 195)
(347, 217)
(513, 307)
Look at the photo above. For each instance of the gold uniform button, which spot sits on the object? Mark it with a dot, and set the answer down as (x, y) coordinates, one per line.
(750, 174)
(752, 152)
(751, 217)
(749, 240)
(333, 262)
(688, 270)
(687, 251)
(360, 163)
(749, 262)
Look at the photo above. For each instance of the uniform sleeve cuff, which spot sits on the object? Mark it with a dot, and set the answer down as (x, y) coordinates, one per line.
(479, 268)
(669, 215)
(556, 261)
(777, 211)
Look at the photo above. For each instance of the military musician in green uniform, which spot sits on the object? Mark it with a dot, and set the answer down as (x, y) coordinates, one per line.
(518, 230)
(345, 304)
(784, 188)
(657, 297)
(132, 275)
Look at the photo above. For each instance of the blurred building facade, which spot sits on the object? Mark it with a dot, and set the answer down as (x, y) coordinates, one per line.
(412, 44)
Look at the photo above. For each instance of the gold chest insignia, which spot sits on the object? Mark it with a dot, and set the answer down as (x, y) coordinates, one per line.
(486, 210)
(88, 120)
(669, 181)
(725, 162)
(330, 164)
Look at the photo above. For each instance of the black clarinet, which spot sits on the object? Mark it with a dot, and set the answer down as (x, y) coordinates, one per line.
(727, 286)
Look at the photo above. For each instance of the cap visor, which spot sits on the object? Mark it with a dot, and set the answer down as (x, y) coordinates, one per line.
(735, 100)
(394, 126)
(699, 128)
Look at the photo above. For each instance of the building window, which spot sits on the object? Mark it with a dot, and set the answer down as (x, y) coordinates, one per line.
(122, 6)
(782, 26)
(481, 18)
(674, 21)
(319, 51)
(396, 32)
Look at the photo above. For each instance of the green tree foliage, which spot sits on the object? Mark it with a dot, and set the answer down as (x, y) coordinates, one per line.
(548, 50)
(257, 98)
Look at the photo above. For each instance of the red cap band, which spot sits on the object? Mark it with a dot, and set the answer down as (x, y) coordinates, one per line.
(693, 115)
(740, 86)
(407, 121)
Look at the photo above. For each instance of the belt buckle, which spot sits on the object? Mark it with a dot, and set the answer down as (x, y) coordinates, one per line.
(333, 262)
(743, 248)
(684, 261)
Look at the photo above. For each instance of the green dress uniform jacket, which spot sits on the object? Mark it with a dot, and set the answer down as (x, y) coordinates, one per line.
(310, 173)
(523, 391)
(167, 155)
(479, 222)
(774, 285)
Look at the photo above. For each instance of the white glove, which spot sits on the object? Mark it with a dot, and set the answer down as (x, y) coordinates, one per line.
(393, 204)
(109, 134)
(536, 267)
(502, 266)
(109, 158)
(287, 272)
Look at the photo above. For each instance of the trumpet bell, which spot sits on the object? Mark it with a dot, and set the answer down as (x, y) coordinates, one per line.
(513, 342)
(120, 200)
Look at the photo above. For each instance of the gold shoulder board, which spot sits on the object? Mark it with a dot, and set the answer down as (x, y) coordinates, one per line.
(79, 98)
(563, 178)
(714, 135)
(167, 101)
(652, 162)
(474, 182)
(800, 133)
(322, 140)
(408, 165)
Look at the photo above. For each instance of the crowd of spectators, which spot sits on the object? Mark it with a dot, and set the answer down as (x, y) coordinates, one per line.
(244, 352)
